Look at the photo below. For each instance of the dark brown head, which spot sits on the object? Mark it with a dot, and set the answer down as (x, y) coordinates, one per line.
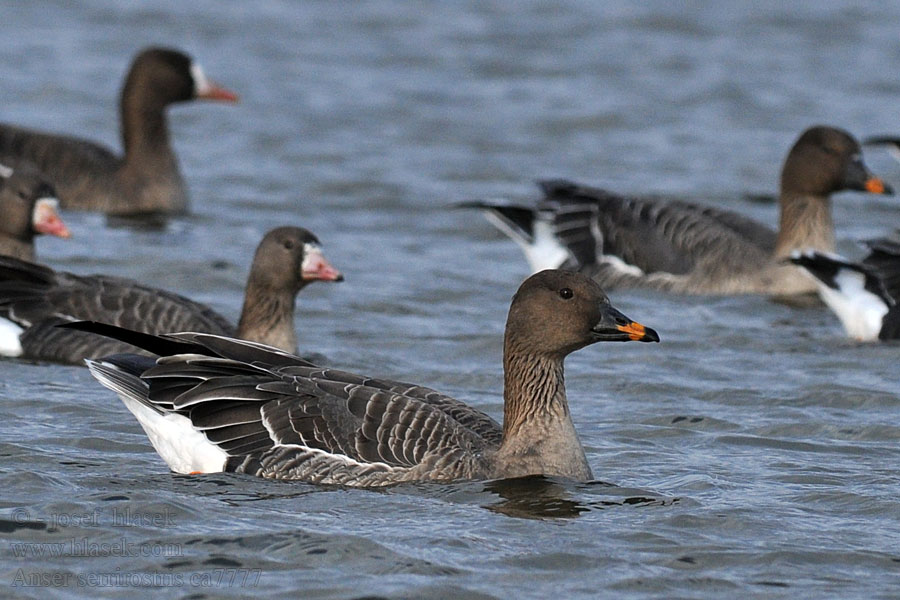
(825, 160)
(28, 205)
(288, 258)
(557, 312)
(165, 76)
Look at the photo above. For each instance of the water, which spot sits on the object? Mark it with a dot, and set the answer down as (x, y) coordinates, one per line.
(753, 452)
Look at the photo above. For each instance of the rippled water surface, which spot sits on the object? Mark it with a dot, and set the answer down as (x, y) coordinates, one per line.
(753, 452)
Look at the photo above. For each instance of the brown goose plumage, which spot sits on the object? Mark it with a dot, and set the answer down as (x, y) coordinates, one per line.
(27, 208)
(146, 179)
(34, 299)
(689, 248)
(212, 404)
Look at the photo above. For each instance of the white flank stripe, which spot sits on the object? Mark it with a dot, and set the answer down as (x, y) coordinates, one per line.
(861, 312)
(332, 457)
(10, 345)
(184, 449)
(620, 265)
(545, 252)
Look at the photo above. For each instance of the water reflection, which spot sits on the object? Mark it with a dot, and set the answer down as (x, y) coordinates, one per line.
(140, 222)
(539, 497)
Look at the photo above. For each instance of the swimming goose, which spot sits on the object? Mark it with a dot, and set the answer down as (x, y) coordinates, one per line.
(28, 208)
(34, 299)
(688, 248)
(146, 179)
(865, 295)
(211, 404)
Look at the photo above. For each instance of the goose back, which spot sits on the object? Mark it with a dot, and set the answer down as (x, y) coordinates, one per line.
(636, 237)
(78, 168)
(37, 299)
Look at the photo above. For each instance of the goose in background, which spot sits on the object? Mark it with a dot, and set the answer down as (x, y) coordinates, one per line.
(27, 209)
(864, 295)
(34, 299)
(689, 248)
(211, 404)
(146, 179)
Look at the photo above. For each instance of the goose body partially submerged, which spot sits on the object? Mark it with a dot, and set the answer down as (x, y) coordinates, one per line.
(146, 178)
(34, 299)
(689, 248)
(210, 403)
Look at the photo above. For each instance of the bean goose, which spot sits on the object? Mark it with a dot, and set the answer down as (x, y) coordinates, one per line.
(146, 179)
(211, 404)
(864, 295)
(27, 209)
(689, 248)
(34, 299)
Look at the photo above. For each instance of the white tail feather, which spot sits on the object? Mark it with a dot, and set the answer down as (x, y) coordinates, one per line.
(185, 449)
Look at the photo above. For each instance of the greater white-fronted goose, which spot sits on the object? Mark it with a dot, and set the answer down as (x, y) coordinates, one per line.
(211, 404)
(146, 179)
(688, 248)
(864, 295)
(27, 208)
(34, 299)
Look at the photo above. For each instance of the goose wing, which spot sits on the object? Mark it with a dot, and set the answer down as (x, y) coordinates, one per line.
(69, 162)
(652, 235)
(278, 416)
(884, 260)
(37, 299)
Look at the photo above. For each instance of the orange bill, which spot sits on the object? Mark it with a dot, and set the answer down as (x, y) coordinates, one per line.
(638, 333)
(874, 185)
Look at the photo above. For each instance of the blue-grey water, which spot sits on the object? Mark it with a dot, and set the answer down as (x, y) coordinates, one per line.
(753, 453)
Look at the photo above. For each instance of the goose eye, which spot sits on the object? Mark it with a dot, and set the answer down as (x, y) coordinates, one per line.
(288, 244)
(565, 293)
